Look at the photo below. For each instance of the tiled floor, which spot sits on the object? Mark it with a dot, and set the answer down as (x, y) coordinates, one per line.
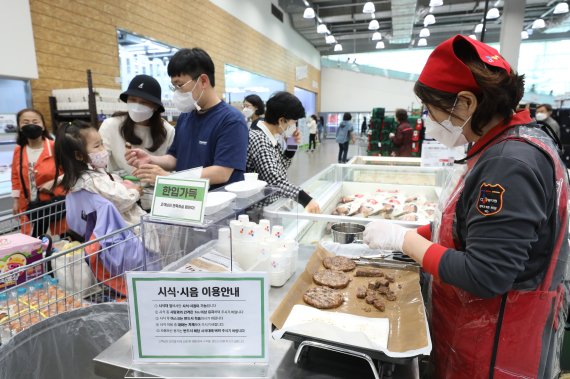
(307, 164)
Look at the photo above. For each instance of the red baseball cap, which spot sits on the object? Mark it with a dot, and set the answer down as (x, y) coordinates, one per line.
(445, 71)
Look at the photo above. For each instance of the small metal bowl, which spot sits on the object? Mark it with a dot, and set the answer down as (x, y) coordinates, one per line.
(347, 232)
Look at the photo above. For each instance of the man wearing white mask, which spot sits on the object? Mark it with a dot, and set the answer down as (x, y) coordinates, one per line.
(209, 132)
(544, 115)
(268, 153)
(141, 127)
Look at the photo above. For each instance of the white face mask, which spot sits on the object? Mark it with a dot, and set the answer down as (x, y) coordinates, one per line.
(99, 159)
(247, 112)
(289, 131)
(541, 116)
(445, 132)
(184, 101)
(139, 112)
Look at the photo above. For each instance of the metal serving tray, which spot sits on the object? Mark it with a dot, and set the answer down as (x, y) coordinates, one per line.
(328, 186)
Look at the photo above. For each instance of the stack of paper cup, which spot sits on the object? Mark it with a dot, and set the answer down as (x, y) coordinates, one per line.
(224, 241)
(292, 248)
(280, 267)
(246, 248)
(263, 257)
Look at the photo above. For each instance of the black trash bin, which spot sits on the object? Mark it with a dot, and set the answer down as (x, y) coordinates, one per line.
(63, 346)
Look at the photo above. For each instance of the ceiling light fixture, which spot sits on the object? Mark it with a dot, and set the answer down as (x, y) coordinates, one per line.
(424, 33)
(524, 34)
(493, 14)
(330, 39)
(338, 47)
(561, 8)
(473, 36)
(309, 13)
(479, 28)
(374, 25)
(436, 3)
(538, 24)
(369, 7)
(322, 29)
(380, 45)
(422, 42)
(376, 36)
(429, 20)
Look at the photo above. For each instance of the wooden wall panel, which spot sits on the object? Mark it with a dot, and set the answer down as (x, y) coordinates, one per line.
(72, 36)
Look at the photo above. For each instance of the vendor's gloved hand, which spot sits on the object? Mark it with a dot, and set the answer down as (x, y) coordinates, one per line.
(384, 235)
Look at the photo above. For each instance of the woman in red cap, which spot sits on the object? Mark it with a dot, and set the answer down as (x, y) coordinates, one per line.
(498, 250)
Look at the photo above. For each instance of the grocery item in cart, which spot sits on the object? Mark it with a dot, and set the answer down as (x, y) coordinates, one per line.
(18, 250)
(34, 301)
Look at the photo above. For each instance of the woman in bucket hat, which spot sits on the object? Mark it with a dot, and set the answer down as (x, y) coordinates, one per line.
(141, 127)
(497, 251)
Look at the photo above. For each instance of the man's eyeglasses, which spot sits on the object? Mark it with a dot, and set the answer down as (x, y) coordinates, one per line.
(174, 87)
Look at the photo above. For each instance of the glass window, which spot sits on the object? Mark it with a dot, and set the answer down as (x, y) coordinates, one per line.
(240, 83)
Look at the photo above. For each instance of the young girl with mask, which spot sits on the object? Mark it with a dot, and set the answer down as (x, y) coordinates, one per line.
(33, 165)
(267, 153)
(141, 127)
(81, 155)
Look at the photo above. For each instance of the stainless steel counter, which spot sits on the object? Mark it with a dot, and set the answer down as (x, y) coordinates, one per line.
(116, 361)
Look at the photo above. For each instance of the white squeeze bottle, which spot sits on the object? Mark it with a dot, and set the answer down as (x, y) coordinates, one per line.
(264, 229)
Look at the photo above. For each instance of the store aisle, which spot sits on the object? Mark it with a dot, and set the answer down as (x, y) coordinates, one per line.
(305, 165)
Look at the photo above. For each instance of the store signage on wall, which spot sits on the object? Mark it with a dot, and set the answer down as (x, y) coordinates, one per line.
(180, 199)
(301, 72)
(206, 317)
(8, 123)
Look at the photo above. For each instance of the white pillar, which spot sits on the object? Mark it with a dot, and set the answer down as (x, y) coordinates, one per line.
(511, 28)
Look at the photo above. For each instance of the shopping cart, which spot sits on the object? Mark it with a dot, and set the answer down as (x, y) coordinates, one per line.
(28, 222)
(62, 281)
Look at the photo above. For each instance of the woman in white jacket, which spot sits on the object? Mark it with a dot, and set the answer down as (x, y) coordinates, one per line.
(313, 132)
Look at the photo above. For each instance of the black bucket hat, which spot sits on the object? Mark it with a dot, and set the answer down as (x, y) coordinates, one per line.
(146, 87)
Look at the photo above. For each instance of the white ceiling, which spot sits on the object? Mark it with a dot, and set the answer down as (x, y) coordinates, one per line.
(401, 21)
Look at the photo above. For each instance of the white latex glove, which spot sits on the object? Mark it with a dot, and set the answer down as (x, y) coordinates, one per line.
(384, 235)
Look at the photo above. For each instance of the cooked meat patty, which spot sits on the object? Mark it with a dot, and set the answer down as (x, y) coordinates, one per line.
(391, 278)
(332, 279)
(379, 304)
(383, 290)
(323, 298)
(369, 272)
(339, 263)
(373, 284)
(391, 296)
(361, 292)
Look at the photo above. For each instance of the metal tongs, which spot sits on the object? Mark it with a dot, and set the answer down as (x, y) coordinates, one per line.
(387, 258)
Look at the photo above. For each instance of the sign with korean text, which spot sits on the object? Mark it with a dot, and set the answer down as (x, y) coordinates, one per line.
(435, 154)
(206, 317)
(180, 199)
